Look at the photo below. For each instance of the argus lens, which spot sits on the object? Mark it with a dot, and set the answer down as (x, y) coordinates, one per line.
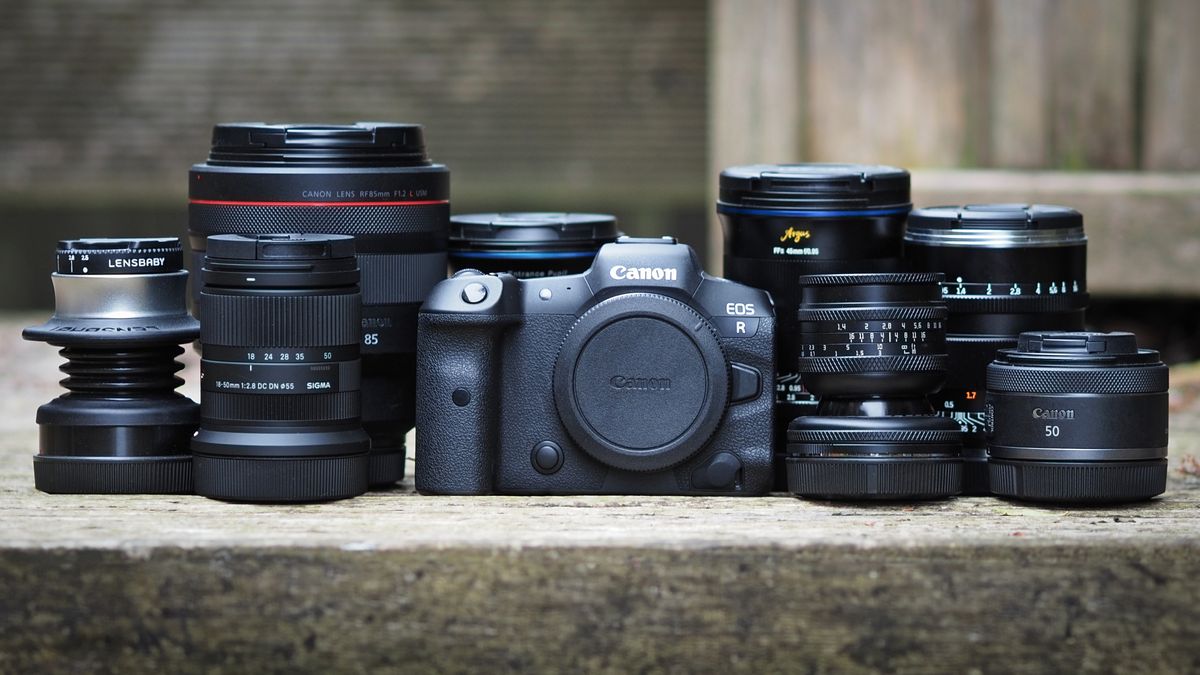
(529, 245)
(1077, 417)
(873, 347)
(280, 409)
(370, 180)
(120, 316)
(784, 220)
(1009, 268)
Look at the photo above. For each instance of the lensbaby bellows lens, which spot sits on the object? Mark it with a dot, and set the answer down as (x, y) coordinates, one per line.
(1009, 268)
(281, 373)
(370, 180)
(784, 220)
(120, 315)
(1077, 417)
(529, 245)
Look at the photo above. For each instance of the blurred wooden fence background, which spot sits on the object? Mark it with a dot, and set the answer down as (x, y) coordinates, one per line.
(1028, 84)
(611, 105)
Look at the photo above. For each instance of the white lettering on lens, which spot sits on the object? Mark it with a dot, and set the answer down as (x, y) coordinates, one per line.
(1044, 414)
(136, 262)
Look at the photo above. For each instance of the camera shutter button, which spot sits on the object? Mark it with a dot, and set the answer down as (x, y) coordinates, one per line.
(474, 293)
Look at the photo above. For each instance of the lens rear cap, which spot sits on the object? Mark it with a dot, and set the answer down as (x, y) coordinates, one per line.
(641, 382)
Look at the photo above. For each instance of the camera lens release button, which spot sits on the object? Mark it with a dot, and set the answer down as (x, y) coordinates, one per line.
(745, 384)
(547, 457)
(474, 293)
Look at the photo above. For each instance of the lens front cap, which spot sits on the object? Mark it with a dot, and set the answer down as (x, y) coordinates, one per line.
(641, 382)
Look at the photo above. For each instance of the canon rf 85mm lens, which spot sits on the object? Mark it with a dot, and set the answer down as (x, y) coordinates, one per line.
(370, 180)
(784, 220)
(529, 245)
(280, 406)
(1077, 417)
(1009, 268)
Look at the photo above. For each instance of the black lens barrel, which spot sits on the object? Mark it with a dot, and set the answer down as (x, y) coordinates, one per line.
(281, 405)
(1009, 268)
(371, 180)
(530, 244)
(120, 316)
(1077, 417)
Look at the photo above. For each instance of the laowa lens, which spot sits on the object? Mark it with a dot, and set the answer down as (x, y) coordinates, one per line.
(1077, 417)
(120, 316)
(373, 181)
(784, 220)
(529, 245)
(873, 347)
(1009, 268)
(280, 404)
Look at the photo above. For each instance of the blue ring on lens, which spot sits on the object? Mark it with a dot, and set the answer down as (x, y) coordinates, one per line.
(530, 255)
(810, 214)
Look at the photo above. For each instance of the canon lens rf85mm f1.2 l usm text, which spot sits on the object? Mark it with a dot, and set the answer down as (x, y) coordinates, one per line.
(370, 180)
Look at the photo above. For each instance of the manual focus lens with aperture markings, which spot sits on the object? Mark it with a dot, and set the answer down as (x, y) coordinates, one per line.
(784, 220)
(370, 180)
(281, 370)
(1077, 417)
(873, 347)
(1009, 268)
(875, 335)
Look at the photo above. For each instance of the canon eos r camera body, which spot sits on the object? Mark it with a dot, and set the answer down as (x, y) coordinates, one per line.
(643, 375)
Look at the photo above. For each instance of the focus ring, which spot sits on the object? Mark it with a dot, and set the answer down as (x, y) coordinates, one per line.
(1101, 380)
(273, 321)
(870, 364)
(334, 406)
(1005, 304)
(888, 436)
(874, 313)
(869, 279)
(401, 277)
(207, 219)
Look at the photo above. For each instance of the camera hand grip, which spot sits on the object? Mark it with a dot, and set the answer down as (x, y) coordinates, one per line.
(457, 402)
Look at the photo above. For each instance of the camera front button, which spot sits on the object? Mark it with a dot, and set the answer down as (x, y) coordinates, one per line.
(547, 457)
(718, 473)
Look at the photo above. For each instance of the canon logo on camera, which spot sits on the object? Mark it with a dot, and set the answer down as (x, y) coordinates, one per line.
(623, 273)
(640, 383)
(1043, 414)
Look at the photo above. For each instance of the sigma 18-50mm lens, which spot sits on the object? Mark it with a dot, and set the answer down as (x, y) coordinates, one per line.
(280, 374)
(1009, 268)
(784, 220)
(1077, 417)
(370, 180)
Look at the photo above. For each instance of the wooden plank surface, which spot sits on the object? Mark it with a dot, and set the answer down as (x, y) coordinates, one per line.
(1019, 86)
(398, 582)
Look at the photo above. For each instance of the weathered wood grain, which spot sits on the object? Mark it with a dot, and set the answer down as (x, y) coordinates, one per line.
(1019, 83)
(894, 82)
(397, 582)
(1172, 86)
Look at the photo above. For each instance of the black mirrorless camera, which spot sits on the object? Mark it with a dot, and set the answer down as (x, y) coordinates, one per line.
(643, 375)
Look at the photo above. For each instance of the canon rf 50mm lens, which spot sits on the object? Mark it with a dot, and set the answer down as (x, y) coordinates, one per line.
(370, 180)
(1009, 268)
(784, 220)
(280, 405)
(1077, 417)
